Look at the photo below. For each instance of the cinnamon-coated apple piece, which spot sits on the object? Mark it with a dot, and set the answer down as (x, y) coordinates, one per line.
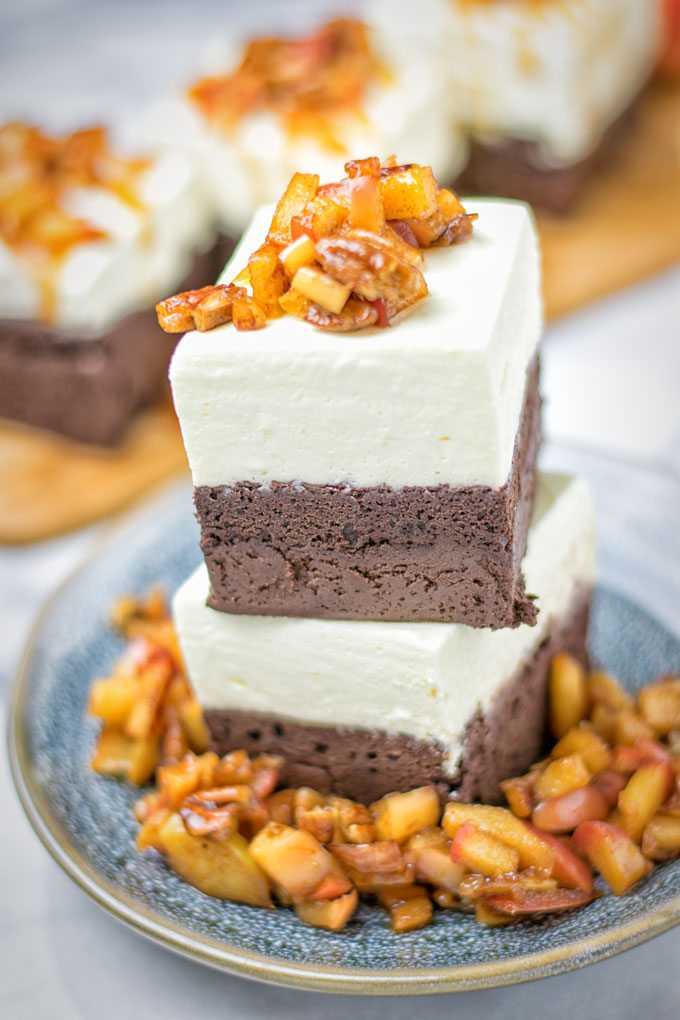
(481, 853)
(605, 689)
(568, 694)
(570, 871)
(612, 853)
(661, 838)
(354, 822)
(630, 727)
(399, 815)
(292, 858)
(133, 759)
(409, 905)
(301, 189)
(221, 868)
(502, 824)
(561, 776)
(408, 192)
(583, 740)
(643, 795)
(366, 207)
(610, 784)
(330, 914)
(432, 853)
(564, 813)
(267, 277)
(519, 793)
(660, 704)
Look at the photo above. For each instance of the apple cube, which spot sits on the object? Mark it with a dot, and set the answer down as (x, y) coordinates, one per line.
(409, 905)
(612, 853)
(112, 699)
(629, 727)
(519, 794)
(568, 694)
(605, 689)
(221, 868)
(660, 704)
(609, 784)
(561, 776)
(643, 795)
(267, 279)
(292, 858)
(125, 757)
(661, 838)
(354, 822)
(301, 190)
(483, 854)
(330, 914)
(366, 208)
(502, 824)
(297, 254)
(435, 866)
(569, 870)
(320, 288)
(408, 192)
(400, 815)
(585, 742)
(492, 918)
(564, 813)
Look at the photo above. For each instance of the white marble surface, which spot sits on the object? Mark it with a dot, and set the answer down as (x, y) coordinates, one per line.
(611, 381)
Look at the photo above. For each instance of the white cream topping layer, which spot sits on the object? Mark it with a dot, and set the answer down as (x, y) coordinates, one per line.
(146, 255)
(557, 72)
(410, 116)
(436, 398)
(426, 680)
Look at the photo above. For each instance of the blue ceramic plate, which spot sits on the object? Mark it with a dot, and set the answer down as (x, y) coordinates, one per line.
(86, 822)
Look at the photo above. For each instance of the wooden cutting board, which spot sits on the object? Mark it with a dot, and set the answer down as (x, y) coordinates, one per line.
(626, 227)
(51, 485)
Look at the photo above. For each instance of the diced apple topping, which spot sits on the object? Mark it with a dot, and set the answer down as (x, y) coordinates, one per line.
(401, 815)
(308, 82)
(343, 256)
(568, 694)
(224, 826)
(320, 288)
(612, 853)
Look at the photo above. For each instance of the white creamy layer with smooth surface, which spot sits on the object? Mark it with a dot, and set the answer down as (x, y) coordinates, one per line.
(410, 117)
(145, 256)
(436, 398)
(557, 72)
(426, 680)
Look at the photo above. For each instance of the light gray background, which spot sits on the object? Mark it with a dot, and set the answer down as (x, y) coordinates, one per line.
(611, 377)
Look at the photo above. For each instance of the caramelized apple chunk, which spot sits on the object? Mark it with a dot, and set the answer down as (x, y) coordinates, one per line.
(612, 853)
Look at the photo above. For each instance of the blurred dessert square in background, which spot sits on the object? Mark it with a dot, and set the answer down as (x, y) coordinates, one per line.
(542, 88)
(89, 239)
(312, 101)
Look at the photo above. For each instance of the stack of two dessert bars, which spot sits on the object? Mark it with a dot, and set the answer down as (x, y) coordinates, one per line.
(387, 576)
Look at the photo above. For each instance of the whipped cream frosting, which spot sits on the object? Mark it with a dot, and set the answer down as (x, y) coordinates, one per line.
(434, 399)
(426, 680)
(145, 256)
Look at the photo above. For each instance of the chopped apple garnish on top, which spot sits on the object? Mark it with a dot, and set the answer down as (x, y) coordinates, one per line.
(343, 256)
(592, 807)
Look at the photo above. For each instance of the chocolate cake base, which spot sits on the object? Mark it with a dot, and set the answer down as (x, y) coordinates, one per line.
(450, 554)
(517, 168)
(367, 764)
(89, 388)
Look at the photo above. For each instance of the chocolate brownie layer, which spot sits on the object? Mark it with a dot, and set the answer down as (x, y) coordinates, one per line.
(330, 551)
(516, 168)
(88, 388)
(366, 764)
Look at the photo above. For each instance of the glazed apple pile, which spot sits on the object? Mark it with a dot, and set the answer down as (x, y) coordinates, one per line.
(606, 799)
(305, 80)
(342, 256)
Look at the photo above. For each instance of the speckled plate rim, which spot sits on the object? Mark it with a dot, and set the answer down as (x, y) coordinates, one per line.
(220, 955)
